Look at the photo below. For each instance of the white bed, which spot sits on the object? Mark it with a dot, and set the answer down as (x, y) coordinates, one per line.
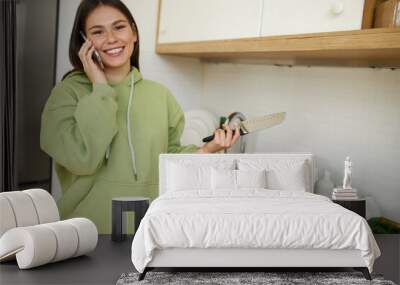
(248, 227)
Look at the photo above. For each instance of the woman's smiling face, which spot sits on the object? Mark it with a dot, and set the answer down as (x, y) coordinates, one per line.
(112, 36)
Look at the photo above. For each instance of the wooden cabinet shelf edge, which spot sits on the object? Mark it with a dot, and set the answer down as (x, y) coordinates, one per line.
(370, 47)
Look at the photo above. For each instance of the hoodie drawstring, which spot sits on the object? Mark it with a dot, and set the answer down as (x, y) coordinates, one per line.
(128, 122)
(107, 152)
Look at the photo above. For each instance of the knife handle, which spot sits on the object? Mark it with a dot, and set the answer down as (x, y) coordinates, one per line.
(210, 138)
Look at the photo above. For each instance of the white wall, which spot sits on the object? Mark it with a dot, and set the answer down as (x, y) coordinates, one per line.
(183, 77)
(331, 112)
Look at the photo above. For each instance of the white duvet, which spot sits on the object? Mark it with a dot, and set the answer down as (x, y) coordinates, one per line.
(252, 218)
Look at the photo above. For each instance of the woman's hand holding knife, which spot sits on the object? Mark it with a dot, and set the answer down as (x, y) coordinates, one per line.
(223, 139)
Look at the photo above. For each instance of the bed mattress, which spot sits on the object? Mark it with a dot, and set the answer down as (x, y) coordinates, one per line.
(251, 219)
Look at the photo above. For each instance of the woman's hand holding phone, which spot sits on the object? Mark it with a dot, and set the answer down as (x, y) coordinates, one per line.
(92, 69)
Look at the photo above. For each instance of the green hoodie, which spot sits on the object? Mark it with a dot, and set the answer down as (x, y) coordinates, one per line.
(82, 122)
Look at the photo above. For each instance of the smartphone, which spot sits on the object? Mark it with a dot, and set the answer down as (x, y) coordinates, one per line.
(96, 55)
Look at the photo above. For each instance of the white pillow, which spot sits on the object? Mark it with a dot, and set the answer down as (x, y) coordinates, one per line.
(227, 179)
(189, 174)
(223, 179)
(251, 178)
(183, 178)
(287, 179)
(282, 174)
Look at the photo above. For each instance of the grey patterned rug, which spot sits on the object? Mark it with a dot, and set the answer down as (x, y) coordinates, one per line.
(243, 278)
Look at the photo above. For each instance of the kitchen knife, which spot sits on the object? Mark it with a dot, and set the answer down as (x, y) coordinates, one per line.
(256, 124)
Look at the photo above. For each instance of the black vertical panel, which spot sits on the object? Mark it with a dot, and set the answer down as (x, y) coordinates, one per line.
(36, 60)
(7, 94)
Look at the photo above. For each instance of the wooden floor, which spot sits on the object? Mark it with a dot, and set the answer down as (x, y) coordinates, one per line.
(102, 266)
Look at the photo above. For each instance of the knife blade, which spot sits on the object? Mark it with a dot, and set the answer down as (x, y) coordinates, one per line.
(256, 124)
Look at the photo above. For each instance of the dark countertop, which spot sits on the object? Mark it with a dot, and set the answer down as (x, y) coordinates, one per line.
(104, 265)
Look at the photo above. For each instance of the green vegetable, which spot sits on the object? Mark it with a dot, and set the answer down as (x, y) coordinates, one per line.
(380, 225)
(222, 121)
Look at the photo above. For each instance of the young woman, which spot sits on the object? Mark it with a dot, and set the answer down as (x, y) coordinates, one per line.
(104, 125)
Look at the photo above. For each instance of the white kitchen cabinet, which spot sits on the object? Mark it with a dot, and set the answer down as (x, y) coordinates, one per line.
(285, 17)
(203, 20)
(218, 30)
